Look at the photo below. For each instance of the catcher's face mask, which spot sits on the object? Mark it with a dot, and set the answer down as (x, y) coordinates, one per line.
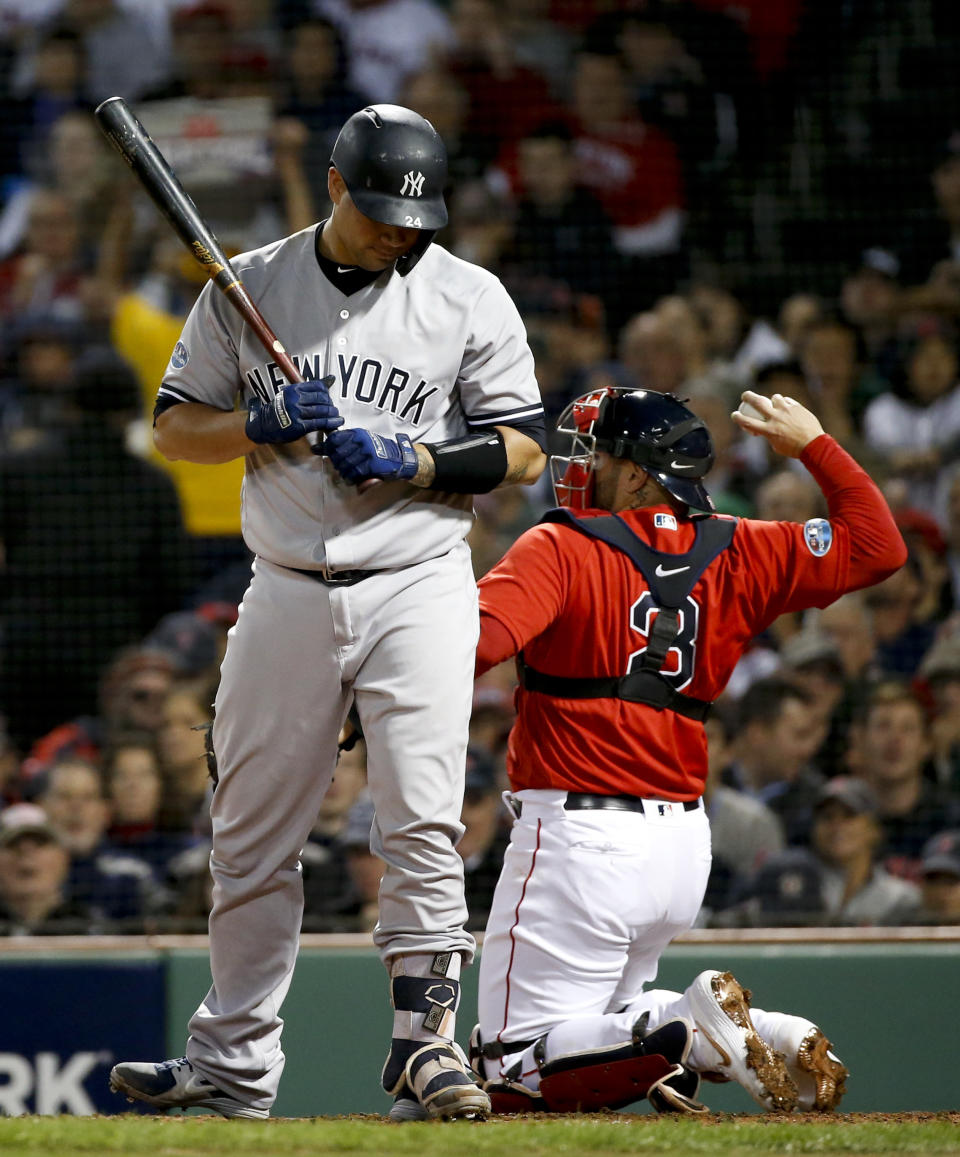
(572, 473)
(656, 431)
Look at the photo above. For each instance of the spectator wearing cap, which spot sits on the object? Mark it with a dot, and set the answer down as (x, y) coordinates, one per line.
(34, 865)
(940, 879)
(811, 660)
(928, 549)
(119, 887)
(893, 745)
(774, 740)
(193, 642)
(836, 879)
(870, 299)
(845, 838)
(785, 893)
(94, 552)
(485, 836)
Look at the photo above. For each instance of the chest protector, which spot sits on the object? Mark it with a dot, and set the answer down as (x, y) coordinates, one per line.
(679, 574)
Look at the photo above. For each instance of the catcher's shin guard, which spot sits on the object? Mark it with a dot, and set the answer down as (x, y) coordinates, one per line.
(507, 1094)
(618, 1075)
(677, 1091)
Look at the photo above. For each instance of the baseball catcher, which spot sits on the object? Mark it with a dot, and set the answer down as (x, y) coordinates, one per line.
(627, 608)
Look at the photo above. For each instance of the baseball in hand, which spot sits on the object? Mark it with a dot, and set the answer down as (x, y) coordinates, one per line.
(750, 411)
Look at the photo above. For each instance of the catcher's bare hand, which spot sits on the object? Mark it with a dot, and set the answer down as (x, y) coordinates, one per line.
(786, 425)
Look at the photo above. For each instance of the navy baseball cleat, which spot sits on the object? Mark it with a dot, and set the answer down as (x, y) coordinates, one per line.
(441, 1082)
(406, 1107)
(432, 1080)
(176, 1085)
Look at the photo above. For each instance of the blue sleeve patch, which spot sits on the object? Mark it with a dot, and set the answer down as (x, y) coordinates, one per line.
(818, 535)
(180, 356)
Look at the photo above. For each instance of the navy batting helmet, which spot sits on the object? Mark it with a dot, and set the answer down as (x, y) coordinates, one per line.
(394, 165)
(655, 430)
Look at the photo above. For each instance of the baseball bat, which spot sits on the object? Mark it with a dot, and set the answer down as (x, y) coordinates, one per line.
(133, 143)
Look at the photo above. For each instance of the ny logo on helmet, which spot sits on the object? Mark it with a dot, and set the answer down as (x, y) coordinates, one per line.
(412, 184)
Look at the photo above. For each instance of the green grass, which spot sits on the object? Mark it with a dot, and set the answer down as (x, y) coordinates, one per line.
(598, 1136)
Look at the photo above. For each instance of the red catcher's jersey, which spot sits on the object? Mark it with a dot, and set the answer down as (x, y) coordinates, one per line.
(579, 608)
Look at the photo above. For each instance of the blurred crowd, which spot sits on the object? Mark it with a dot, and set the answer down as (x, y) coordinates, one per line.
(681, 195)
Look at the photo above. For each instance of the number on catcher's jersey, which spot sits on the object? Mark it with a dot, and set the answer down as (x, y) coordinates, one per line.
(680, 659)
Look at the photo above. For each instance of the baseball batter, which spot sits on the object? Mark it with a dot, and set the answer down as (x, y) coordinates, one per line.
(420, 392)
(628, 609)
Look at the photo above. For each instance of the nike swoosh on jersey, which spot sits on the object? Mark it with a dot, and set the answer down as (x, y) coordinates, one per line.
(662, 572)
(346, 268)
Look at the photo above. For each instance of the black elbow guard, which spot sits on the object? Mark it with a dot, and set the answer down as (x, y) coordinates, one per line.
(474, 464)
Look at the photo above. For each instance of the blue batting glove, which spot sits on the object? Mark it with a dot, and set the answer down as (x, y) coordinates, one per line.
(296, 410)
(361, 454)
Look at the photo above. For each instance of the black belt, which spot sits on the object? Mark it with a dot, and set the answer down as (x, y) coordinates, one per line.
(336, 578)
(583, 801)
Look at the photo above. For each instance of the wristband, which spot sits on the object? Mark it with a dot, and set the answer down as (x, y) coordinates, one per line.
(475, 464)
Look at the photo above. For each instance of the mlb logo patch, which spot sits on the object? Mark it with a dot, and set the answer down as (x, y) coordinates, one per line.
(664, 522)
(818, 535)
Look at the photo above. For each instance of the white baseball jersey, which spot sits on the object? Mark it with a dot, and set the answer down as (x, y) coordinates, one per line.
(431, 355)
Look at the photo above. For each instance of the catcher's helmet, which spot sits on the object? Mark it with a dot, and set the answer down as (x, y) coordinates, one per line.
(394, 165)
(655, 430)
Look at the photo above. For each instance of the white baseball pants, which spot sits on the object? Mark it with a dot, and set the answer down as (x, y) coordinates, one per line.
(585, 905)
